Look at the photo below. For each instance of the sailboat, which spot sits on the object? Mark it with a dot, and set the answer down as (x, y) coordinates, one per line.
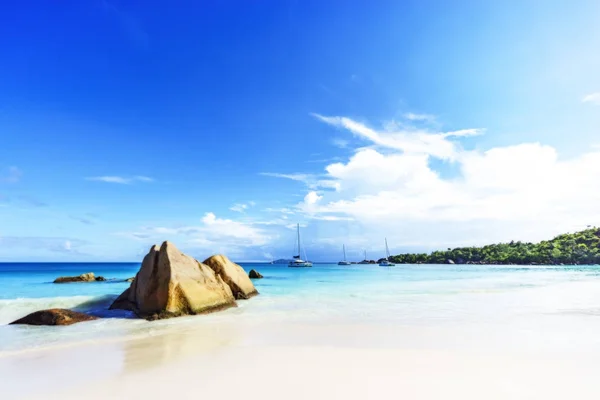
(364, 261)
(386, 262)
(297, 262)
(344, 262)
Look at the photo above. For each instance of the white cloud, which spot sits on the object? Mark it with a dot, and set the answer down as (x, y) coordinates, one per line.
(12, 175)
(463, 133)
(312, 198)
(282, 221)
(294, 226)
(226, 228)
(42, 243)
(368, 171)
(120, 180)
(142, 178)
(283, 210)
(239, 207)
(294, 177)
(330, 218)
(110, 179)
(522, 192)
(325, 184)
(593, 98)
(419, 117)
(311, 181)
(242, 207)
(213, 234)
(408, 141)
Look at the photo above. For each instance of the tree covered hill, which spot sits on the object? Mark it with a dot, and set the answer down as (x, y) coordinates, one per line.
(571, 248)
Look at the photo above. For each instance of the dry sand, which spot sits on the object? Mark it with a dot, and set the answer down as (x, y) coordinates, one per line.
(224, 361)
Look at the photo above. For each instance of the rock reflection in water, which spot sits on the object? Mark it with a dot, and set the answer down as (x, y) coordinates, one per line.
(175, 345)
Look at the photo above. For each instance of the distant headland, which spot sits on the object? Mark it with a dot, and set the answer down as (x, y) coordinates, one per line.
(282, 261)
(579, 248)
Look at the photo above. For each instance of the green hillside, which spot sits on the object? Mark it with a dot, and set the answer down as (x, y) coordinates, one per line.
(571, 248)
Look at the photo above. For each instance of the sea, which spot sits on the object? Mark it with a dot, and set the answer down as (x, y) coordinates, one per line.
(524, 307)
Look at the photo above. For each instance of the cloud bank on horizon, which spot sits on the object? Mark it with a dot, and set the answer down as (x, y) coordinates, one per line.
(388, 187)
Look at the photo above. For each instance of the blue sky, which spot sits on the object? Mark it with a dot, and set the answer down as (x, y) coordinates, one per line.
(218, 126)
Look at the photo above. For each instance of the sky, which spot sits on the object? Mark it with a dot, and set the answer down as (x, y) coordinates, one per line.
(221, 125)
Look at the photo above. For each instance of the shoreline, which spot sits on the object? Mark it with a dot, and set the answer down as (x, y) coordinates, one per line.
(334, 333)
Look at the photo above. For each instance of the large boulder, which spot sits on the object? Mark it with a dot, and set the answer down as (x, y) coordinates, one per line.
(254, 274)
(54, 316)
(89, 277)
(170, 283)
(233, 275)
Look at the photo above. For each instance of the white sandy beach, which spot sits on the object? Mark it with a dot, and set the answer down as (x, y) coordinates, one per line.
(505, 334)
(292, 361)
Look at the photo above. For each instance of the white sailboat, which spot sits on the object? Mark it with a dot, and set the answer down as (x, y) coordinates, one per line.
(344, 262)
(297, 262)
(386, 262)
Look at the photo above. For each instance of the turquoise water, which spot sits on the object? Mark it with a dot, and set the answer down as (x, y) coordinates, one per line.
(488, 298)
(34, 280)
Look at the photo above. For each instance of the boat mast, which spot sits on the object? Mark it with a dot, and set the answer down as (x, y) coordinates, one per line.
(344, 247)
(299, 251)
(387, 251)
(365, 255)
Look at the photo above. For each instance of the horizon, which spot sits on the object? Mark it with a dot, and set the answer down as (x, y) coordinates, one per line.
(274, 261)
(220, 126)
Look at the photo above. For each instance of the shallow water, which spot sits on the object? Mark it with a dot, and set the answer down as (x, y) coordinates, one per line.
(519, 306)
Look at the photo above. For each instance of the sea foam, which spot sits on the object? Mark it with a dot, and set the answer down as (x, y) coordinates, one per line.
(13, 309)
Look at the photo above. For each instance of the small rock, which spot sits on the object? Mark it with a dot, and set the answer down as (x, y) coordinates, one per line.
(254, 274)
(129, 279)
(89, 277)
(100, 279)
(54, 316)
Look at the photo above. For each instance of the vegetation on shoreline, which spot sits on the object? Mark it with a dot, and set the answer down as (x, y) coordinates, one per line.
(570, 248)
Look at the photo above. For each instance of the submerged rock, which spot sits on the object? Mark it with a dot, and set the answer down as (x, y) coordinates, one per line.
(254, 274)
(89, 277)
(54, 316)
(233, 275)
(170, 283)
